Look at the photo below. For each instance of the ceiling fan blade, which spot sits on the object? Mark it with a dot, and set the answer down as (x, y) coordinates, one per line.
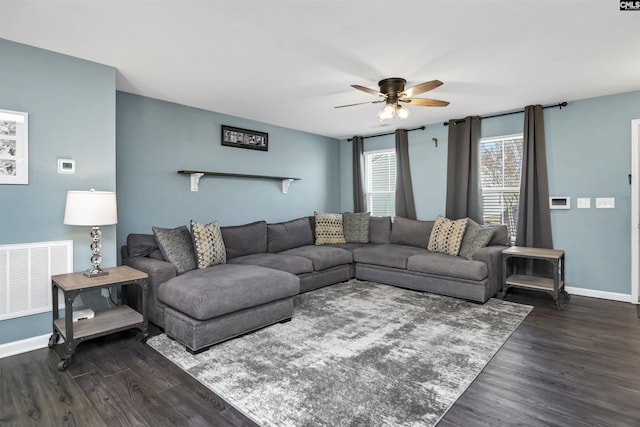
(360, 103)
(421, 88)
(366, 89)
(423, 102)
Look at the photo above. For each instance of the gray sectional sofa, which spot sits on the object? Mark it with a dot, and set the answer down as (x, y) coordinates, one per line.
(268, 264)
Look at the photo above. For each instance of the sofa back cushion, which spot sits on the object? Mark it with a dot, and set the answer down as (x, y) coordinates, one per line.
(411, 232)
(143, 245)
(379, 229)
(500, 235)
(245, 239)
(288, 235)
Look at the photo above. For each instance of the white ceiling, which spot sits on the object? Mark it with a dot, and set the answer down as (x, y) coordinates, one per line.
(289, 62)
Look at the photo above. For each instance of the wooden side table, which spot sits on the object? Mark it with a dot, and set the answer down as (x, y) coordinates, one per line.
(104, 322)
(554, 286)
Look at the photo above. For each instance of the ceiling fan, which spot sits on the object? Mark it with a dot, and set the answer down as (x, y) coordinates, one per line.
(392, 92)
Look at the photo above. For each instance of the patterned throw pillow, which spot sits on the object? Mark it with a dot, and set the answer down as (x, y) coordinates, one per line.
(475, 237)
(356, 227)
(208, 243)
(176, 247)
(446, 236)
(329, 228)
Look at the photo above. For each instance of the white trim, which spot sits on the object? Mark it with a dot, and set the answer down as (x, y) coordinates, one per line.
(23, 346)
(613, 296)
(635, 211)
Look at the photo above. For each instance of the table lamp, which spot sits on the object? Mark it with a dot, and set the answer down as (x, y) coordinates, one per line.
(92, 208)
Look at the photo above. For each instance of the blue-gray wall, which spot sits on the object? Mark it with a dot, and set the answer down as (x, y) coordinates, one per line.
(71, 106)
(588, 155)
(155, 139)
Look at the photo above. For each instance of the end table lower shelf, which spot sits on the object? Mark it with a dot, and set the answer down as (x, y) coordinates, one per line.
(554, 286)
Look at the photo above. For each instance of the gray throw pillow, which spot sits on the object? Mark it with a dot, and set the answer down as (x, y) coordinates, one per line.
(176, 247)
(475, 237)
(356, 227)
(288, 235)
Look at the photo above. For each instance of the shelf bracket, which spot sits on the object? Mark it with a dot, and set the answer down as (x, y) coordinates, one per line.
(195, 180)
(285, 185)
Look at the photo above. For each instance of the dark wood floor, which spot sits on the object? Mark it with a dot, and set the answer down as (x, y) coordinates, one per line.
(578, 367)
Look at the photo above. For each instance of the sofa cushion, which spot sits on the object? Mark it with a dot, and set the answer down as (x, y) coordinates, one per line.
(291, 234)
(176, 247)
(356, 227)
(379, 229)
(143, 245)
(475, 237)
(245, 239)
(329, 228)
(446, 236)
(389, 255)
(412, 232)
(500, 235)
(225, 288)
(323, 257)
(448, 265)
(289, 263)
(208, 244)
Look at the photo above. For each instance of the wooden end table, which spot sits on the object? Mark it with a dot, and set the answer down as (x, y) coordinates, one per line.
(554, 286)
(104, 322)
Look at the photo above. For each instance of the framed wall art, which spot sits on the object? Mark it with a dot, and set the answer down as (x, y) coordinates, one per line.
(14, 147)
(243, 138)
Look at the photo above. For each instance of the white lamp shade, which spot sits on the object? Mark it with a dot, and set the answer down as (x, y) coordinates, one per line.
(91, 208)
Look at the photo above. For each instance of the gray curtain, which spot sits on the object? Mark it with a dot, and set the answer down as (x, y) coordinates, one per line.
(464, 194)
(359, 196)
(405, 206)
(534, 219)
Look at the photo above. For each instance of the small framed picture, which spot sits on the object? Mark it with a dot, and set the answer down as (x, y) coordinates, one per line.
(244, 138)
(14, 147)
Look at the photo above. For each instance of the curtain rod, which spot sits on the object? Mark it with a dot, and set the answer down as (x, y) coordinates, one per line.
(389, 133)
(560, 105)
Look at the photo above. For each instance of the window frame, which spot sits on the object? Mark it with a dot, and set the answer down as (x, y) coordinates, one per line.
(503, 189)
(368, 179)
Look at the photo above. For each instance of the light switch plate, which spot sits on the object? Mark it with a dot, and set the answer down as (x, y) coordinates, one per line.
(605, 202)
(584, 202)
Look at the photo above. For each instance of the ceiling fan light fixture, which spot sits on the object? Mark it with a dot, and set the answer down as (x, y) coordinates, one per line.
(403, 112)
(387, 112)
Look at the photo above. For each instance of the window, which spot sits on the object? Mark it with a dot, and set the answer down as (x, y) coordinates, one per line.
(500, 169)
(380, 170)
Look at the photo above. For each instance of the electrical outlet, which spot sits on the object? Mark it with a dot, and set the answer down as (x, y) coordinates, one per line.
(104, 292)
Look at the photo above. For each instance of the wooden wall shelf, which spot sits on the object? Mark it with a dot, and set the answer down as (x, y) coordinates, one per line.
(196, 175)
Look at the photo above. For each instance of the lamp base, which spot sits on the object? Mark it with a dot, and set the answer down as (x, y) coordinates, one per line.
(93, 272)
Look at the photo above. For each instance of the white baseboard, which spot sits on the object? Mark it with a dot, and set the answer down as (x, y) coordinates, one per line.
(23, 346)
(599, 294)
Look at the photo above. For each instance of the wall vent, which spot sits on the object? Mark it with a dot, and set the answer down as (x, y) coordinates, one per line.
(25, 276)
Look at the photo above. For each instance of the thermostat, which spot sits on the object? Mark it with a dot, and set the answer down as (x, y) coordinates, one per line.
(66, 166)
(560, 202)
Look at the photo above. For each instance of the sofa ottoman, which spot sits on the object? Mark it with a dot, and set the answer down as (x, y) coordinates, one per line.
(207, 306)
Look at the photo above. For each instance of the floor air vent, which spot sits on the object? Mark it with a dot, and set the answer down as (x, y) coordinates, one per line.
(25, 276)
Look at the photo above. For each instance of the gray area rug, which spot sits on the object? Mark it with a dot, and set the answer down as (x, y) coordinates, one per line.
(355, 354)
